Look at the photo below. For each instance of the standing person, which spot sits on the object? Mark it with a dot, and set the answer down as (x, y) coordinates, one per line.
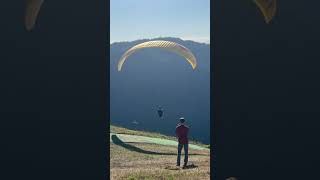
(182, 134)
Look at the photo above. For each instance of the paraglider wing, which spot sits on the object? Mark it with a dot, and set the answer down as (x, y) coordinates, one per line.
(168, 45)
(32, 11)
(268, 8)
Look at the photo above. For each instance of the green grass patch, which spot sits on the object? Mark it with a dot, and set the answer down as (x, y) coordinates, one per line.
(121, 130)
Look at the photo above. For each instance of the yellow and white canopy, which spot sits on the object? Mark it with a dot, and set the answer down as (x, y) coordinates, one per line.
(32, 11)
(268, 8)
(168, 45)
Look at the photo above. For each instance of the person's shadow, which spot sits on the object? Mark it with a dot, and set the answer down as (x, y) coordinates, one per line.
(191, 166)
(130, 147)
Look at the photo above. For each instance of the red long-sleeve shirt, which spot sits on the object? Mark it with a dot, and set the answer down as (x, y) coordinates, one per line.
(182, 133)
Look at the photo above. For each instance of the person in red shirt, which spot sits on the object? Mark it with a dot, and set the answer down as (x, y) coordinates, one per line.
(182, 134)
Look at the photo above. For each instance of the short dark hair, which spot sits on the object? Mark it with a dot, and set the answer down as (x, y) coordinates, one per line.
(182, 120)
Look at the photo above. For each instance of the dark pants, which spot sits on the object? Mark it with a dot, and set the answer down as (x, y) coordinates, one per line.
(185, 153)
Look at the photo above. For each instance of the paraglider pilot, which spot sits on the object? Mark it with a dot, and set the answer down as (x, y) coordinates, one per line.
(160, 112)
(182, 134)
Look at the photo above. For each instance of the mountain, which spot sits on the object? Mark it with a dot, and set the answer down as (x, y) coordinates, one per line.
(155, 77)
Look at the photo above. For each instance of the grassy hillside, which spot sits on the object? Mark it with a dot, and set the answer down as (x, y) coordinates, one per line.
(137, 161)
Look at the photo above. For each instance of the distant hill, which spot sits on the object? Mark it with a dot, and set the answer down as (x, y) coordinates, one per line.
(155, 77)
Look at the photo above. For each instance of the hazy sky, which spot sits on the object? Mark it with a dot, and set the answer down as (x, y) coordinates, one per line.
(139, 19)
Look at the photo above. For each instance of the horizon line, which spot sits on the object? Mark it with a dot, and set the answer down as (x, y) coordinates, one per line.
(207, 41)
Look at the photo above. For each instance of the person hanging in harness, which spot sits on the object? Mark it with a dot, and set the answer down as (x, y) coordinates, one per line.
(182, 131)
(160, 112)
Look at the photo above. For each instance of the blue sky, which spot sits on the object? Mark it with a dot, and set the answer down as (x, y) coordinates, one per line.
(139, 19)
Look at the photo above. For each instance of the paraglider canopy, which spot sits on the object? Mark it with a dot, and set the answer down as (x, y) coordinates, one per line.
(168, 45)
(32, 11)
(268, 8)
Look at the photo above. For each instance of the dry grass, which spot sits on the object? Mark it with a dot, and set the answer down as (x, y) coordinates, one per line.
(128, 164)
